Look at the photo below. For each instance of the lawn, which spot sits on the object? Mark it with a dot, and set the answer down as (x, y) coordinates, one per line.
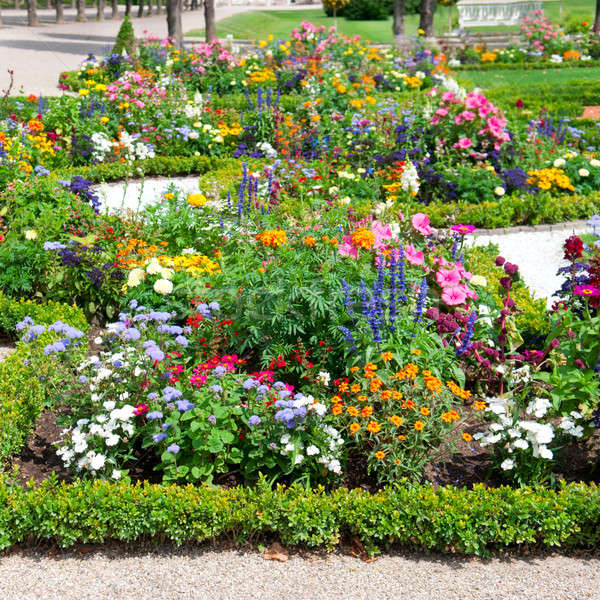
(257, 24)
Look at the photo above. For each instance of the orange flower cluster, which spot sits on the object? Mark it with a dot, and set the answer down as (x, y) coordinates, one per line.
(272, 237)
(135, 253)
(458, 391)
(363, 238)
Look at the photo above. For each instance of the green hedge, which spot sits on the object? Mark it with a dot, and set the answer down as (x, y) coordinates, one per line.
(532, 66)
(511, 210)
(445, 519)
(22, 388)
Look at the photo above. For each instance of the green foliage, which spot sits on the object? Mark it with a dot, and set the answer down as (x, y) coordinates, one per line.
(510, 211)
(445, 519)
(368, 10)
(22, 264)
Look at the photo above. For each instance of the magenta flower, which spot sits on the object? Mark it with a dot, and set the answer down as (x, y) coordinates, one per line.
(413, 256)
(453, 296)
(421, 223)
(586, 291)
(463, 229)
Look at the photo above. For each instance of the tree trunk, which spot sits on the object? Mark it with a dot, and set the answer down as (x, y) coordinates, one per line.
(32, 16)
(60, 15)
(0, 16)
(48, 3)
(150, 7)
(426, 20)
(73, 4)
(398, 25)
(159, 8)
(209, 20)
(174, 26)
(100, 6)
(127, 8)
(17, 4)
(114, 4)
(140, 9)
(81, 18)
(596, 27)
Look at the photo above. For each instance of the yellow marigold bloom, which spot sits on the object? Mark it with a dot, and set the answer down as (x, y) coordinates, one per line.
(425, 411)
(370, 367)
(196, 200)
(354, 427)
(337, 409)
(458, 391)
(362, 398)
(416, 351)
(272, 237)
(366, 412)
(479, 405)
(401, 437)
(380, 454)
(336, 399)
(355, 388)
(386, 356)
(467, 437)
(374, 427)
(386, 394)
(450, 416)
(396, 395)
(419, 425)
(363, 238)
(352, 411)
(433, 384)
(309, 240)
(84, 92)
(396, 420)
(353, 369)
(488, 57)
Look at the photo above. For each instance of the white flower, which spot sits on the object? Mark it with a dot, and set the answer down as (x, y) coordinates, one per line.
(116, 474)
(319, 408)
(507, 464)
(31, 234)
(112, 440)
(97, 461)
(289, 447)
(545, 453)
(334, 466)
(285, 438)
(594, 162)
(538, 407)
(163, 286)
(559, 162)
(135, 277)
(153, 267)
(98, 340)
(583, 172)
(521, 444)
(323, 378)
(312, 450)
(478, 280)
(499, 190)
(299, 459)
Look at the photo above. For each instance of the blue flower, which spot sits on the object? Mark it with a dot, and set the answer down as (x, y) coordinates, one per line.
(170, 394)
(181, 340)
(250, 383)
(154, 415)
(173, 448)
(184, 405)
(254, 420)
(159, 437)
(132, 334)
(212, 419)
(217, 389)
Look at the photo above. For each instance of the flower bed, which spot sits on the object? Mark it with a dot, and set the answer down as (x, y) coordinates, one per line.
(312, 313)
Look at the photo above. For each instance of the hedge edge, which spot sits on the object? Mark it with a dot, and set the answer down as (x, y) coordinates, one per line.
(478, 521)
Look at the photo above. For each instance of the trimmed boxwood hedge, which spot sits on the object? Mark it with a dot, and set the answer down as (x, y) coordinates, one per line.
(531, 66)
(478, 521)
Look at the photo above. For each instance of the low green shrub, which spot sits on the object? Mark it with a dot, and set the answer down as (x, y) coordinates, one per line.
(446, 519)
(510, 211)
(23, 388)
(528, 66)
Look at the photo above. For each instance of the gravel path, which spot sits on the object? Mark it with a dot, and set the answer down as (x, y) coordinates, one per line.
(5, 351)
(223, 574)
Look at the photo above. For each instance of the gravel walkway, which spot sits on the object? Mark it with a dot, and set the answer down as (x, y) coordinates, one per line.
(5, 351)
(223, 574)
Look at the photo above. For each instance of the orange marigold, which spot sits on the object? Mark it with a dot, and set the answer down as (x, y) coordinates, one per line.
(374, 427)
(386, 356)
(380, 454)
(354, 427)
(272, 237)
(336, 409)
(386, 394)
(362, 398)
(479, 405)
(425, 411)
(363, 238)
(352, 411)
(467, 437)
(419, 425)
(366, 411)
(355, 388)
(396, 420)
(450, 416)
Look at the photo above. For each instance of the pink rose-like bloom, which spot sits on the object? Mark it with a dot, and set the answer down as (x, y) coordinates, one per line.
(434, 120)
(458, 120)
(463, 143)
(448, 96)
(413, 256)
(442, 112)
(421, 223)
(382, 233)
(467, 115)
(453, 296)
(448, 278)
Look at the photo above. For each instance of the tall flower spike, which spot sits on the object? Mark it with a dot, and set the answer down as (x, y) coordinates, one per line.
(421, 300)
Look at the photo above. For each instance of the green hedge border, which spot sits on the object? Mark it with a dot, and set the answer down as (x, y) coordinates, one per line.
(495, 66)
(478, 521)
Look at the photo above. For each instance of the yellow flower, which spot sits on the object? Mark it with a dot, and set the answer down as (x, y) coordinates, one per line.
(380, 455)
(84, 92)
(196, 200)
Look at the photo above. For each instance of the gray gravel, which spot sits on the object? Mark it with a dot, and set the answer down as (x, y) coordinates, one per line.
(224, 574)
(5, 351)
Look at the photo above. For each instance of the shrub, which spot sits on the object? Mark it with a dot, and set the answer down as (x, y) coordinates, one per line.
(368, 10)
(125, 39)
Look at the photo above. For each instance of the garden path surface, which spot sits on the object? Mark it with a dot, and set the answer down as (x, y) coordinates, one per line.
(211, 574)
(39, 54)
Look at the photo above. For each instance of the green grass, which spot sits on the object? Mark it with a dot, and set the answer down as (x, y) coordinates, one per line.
(257, 24)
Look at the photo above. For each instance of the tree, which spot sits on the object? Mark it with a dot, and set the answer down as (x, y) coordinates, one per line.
(60, 15)
(0, 16)
(100, 5)
(426, 18)
(114, 5)
(81, 18)
(209, 20)
(596, 27)
(32, 16)
(398, 25)
(159, 7)
(174, 26)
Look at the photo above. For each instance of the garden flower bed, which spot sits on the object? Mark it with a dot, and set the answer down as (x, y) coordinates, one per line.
(310, 313)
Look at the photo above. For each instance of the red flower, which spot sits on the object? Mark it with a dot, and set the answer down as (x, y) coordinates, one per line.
(573, 247)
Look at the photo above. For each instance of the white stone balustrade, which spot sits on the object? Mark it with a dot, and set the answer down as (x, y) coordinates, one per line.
(482, 13)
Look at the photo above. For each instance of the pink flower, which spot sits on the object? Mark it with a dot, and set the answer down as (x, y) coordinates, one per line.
(453, 296)
(463, 143)
(448, 278)
(382, 233)
(467, 115)
(458, 119)
(421, 223)
(448, 96)
(346, 248)
(442, 112)
(413, 256)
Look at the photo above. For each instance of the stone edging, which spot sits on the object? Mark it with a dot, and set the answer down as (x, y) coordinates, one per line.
(532, 228)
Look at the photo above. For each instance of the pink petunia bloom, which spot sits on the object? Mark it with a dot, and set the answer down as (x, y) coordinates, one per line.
(463, 143)
(421, 223)
(448, 96)
(347, 249)
(453, 296)
(382, 233)
(413, 256)
(448, 278)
